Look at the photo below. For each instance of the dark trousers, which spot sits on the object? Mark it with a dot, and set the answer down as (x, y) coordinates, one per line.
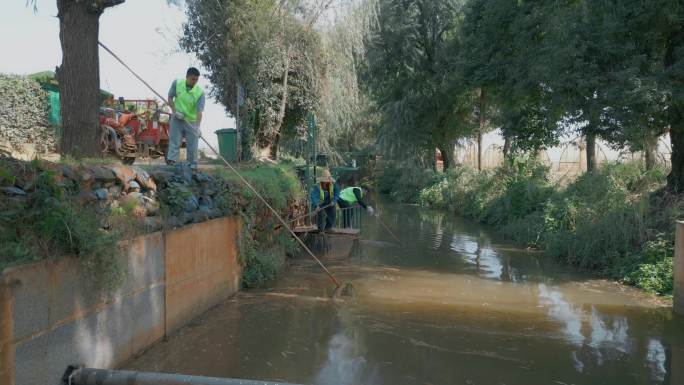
(346, 214)
(326, 217)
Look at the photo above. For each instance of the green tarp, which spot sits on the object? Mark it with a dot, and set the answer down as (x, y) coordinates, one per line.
(54, 113)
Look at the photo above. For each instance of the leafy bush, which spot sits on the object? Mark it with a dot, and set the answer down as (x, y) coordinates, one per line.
(600, 217)
(650, 269)
(405, 180)
(496, 197)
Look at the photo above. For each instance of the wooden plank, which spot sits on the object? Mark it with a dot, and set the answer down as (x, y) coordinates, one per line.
(335, 230)
(340, 231)
(305, 229)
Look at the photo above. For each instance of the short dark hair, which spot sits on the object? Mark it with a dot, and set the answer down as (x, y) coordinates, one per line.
(192, 71)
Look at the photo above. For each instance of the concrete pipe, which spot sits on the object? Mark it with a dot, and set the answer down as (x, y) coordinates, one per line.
(87, 376)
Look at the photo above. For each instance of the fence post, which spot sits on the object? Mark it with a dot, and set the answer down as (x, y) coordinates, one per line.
(679, 269)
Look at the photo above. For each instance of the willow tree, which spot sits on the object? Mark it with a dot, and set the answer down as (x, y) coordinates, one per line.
(270, 49)
(344, 111)
(408, 76)
(79, 74)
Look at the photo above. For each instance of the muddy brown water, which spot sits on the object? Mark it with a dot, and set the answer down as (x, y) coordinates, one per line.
(450, 305)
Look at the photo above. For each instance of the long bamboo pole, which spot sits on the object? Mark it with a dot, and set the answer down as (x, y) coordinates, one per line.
(242, 179)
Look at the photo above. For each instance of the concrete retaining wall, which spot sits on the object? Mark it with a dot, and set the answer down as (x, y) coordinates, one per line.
(51, 317)
(201, 270)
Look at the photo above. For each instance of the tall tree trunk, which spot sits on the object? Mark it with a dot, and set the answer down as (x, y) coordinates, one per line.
(591, 151)
(79, 75)
(79, 79)
(446, 157)
(481, 129)
(283, 107)
(479, 150)
(675, 180)
(507, 147)
(650, 152)
(273, 147)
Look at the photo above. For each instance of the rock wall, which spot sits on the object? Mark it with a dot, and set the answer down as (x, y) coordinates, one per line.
(24, 116)
(163, 197)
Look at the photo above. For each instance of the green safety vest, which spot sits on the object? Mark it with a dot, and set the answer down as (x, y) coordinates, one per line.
(186, 101)
(348, 196)
(320, 192)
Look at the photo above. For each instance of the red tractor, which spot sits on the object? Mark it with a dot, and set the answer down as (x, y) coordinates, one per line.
(134, 129)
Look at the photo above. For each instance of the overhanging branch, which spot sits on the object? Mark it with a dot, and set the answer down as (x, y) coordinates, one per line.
(101, 5)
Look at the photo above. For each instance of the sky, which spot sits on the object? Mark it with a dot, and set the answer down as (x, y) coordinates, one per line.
(144, 33)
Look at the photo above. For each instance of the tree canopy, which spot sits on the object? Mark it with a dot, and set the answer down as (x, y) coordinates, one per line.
(410, 76)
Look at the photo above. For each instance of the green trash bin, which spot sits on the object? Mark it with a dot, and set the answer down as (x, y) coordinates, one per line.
(227, 140)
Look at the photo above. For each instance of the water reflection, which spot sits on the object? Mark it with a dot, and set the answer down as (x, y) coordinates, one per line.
(656, 359)
(448, 306)
(438, 234)
(464, 244)
(608, 341)
(561, 310)
(345, 365)
(487, 262)
(613, 335)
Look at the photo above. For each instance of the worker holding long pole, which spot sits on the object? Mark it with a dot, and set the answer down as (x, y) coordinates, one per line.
(186, 99)
(324, 197)
(338, 288)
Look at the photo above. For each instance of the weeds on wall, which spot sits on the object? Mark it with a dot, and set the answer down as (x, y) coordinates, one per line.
(47, 224)
(47, 219)
(263, 248)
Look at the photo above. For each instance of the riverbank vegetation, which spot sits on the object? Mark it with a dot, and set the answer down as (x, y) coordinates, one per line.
(407, 78)
(403, 79)
(617, 221)
(86, 208)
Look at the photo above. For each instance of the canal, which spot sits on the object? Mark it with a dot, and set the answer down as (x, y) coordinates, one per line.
(451, 304)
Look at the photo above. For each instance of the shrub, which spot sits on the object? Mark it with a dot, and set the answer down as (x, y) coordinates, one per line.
(601, 216)
(405, 180)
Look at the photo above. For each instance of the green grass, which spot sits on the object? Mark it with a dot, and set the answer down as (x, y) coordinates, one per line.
(263, 249)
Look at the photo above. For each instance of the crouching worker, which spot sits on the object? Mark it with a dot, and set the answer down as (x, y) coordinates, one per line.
(324, 196)
(349, 197)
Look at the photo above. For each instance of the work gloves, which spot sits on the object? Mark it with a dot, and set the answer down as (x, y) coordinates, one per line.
(179, 115)
(370, 210)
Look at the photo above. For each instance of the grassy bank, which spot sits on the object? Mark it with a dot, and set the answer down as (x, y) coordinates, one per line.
(263, 249)
(617, 221)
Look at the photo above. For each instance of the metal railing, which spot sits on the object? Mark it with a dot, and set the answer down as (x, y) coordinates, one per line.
(348, 218)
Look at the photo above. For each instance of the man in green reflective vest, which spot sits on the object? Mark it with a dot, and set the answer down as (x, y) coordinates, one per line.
(349, 197)
(186, 99)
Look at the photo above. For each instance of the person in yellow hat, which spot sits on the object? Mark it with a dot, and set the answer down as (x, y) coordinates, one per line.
(324, 197)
